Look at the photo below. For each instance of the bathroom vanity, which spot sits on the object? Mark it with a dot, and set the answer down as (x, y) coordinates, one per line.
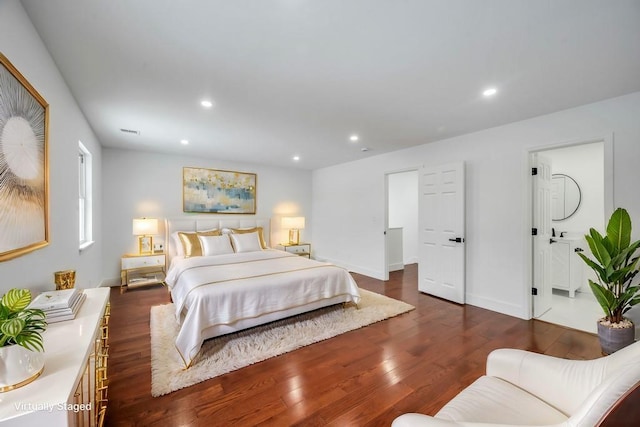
(566, 265)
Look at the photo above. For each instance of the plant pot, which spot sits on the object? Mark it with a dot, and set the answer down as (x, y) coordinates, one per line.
(19, 366)
(613, 339)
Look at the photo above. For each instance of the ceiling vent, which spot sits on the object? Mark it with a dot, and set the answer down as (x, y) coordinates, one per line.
(135, 132)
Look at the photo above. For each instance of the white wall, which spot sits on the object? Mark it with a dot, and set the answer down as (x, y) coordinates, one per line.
(403, 211)
(497, 196)
(20, 43)
(138, 184)
(585, 164)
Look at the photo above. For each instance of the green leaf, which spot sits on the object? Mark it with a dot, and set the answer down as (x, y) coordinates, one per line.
(634, 301)
(18, 324)
(30, 340)
(597, 248)
(633, 247)
(4, 312)
(16, 299)
(624, 257)
(608, 246)
(12, 327)
(628, 294)
(597, 268)
(602, 254)
(604, 296)
(35, 318)
(619, 229)
(620, 274)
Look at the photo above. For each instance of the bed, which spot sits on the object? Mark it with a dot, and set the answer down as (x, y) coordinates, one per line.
(234, 281)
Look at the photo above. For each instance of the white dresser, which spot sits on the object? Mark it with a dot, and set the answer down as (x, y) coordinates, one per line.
(566, 265)
(71, 391)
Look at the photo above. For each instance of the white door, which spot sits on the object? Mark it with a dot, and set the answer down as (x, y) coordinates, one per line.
(541, 231)
(441, 226)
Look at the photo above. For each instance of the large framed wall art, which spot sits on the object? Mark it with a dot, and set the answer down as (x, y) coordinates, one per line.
(218, 191)
(24, 173)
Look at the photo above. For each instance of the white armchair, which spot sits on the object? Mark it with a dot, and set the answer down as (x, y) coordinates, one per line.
(530, 389)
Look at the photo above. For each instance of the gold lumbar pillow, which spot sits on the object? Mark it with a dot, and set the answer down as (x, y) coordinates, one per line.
(191, 243)
(251, 230)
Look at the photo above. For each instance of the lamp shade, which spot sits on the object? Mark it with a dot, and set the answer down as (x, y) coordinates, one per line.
(145, 226)
(293, 222)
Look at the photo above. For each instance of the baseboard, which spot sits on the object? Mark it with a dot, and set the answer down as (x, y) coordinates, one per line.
(496, 305)
(412, 260)
(354, 268)
(397, 266)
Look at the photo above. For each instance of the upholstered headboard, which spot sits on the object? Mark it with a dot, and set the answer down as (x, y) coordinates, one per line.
(202, 224)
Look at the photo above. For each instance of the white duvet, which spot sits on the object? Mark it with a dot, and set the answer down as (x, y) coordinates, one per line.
(223, 289)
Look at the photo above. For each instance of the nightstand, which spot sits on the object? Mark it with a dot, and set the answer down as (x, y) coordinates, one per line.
(302, 249)
(141, 270)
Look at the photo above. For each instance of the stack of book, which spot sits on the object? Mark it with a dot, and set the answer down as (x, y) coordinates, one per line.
(59, 305)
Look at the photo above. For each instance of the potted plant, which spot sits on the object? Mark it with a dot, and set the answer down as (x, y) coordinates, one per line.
(615, 265)
(21, 344)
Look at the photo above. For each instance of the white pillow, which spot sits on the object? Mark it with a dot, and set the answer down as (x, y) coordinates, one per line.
(215, 245)
(246, 242)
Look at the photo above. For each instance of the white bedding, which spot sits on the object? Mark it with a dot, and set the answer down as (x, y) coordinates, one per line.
(227, 289)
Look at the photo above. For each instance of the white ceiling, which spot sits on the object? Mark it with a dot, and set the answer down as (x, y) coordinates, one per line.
(297, 77)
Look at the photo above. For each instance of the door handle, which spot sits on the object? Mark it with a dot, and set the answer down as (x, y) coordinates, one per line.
(552, 241)
(457, 240)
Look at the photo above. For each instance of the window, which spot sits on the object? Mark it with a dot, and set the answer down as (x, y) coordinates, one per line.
(85, 189)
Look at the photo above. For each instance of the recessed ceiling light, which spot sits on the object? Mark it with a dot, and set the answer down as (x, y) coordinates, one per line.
(354, 138)
(490, 91)
(184, 141)
(296, 158)
(206, 104)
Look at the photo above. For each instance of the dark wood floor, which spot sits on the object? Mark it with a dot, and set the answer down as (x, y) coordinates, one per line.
(415, 362)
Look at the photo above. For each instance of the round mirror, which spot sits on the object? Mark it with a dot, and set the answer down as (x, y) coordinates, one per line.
(565, 196)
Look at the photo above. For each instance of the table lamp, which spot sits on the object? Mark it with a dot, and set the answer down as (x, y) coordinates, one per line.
(294, 224)
(144, 228)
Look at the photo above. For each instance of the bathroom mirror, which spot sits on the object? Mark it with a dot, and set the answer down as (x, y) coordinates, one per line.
(565, 196)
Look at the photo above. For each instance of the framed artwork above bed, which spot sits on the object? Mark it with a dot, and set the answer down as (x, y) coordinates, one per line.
(218, 191)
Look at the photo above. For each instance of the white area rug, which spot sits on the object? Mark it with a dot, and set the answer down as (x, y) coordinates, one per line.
(234, 351)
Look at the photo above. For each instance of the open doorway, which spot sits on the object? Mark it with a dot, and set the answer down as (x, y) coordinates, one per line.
(579, 194)
(401, 213)
(429, 201)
